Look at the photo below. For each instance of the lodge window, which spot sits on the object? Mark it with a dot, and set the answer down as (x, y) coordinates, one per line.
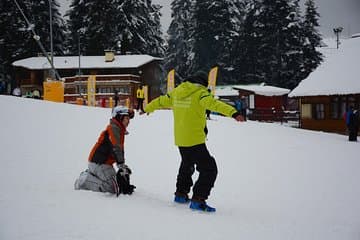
(337, 107)
(334, 108)
(352, 102)
(83, 90)
(319, 111)
(123, 90)
(105, 90)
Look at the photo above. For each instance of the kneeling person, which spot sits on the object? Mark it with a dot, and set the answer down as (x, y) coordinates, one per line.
(101, 176)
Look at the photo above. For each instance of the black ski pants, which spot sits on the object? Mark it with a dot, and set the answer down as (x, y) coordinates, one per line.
(196, 156)
(140, 104)
(353, 132)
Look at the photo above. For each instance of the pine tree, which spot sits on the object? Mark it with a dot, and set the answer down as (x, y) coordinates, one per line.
(134, 26)
(140, 29)
(76, 27)
(39, 15)
(312, 57)
(17, 41)
(178, 53)
(248, 63)
(280, 50)
(294, 54)
(156, 44)
(12, 35)
(92, 24)
(215, 27)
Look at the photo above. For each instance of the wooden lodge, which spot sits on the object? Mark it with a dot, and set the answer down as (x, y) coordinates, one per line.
(327, 93)
(114, 73)
(326, 113)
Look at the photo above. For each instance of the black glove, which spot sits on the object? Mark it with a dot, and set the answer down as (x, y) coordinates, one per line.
(123, 180)
(124, 169)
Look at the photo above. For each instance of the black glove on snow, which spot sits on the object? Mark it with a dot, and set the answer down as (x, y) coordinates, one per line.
(123, 181)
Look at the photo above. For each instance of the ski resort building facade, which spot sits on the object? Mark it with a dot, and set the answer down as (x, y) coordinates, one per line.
(263, 102)
(114, 73)
(327, 93)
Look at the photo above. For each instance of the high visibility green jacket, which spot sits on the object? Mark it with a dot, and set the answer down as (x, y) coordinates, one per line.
(189, 102)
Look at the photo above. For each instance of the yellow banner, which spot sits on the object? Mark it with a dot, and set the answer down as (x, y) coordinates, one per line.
(212, 79)
(146, 95)
(54, 91)
(91, 90)
(171, 80)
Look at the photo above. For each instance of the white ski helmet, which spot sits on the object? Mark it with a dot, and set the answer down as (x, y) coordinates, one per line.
(122, 111)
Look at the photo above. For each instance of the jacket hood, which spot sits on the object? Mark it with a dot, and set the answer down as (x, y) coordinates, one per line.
(186, 89)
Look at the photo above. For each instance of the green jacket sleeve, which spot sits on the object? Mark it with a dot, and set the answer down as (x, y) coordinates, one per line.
(164, 101)
(208, 101)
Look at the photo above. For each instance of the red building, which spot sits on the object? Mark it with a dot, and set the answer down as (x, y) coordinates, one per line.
(264, 103)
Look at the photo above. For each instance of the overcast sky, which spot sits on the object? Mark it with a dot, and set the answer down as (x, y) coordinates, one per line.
(333, 13)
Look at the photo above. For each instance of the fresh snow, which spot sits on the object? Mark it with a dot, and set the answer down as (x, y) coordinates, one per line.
(337, 75)
(274, 182)
(71, 62)
(259, 89)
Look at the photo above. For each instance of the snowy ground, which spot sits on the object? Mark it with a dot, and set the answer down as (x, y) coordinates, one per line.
(274, 182)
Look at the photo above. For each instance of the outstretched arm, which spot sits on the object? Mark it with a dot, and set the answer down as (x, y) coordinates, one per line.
(164, 101)
(209, 102)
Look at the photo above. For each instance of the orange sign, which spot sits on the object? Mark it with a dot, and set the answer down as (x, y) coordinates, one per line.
(54, 91)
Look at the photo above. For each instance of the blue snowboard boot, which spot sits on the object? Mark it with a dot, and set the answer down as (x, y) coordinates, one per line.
(201, 206)
(181, 198)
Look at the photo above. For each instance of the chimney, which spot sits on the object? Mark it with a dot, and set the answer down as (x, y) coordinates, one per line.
(109, 55)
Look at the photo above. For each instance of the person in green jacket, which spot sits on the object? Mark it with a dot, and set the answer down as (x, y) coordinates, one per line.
(189, 102)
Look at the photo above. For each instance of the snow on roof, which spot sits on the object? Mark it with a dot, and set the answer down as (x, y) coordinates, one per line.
(89, 62)
(339, 74)
(356, 35)
(262, 89)
(259, 89)
(226, 91)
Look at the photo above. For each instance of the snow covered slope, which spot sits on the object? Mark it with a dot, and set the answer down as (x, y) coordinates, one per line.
(274, 182)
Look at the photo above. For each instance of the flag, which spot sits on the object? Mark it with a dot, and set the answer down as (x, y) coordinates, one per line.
(91, 90)
(146, 96)
(212, 79)
(171, 80)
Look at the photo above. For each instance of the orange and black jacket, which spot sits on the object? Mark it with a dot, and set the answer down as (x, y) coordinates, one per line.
(109, 148)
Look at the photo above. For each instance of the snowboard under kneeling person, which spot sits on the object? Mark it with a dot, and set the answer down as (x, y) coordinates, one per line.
(101, 176)
(189, 102)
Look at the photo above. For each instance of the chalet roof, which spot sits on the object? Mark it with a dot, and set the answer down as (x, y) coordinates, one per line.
(339, 74)
(226, 91)
(259, 89)
(87, 62)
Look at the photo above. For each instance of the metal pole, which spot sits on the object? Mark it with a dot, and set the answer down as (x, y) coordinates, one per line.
(37, 39)
(79, 53)
(337, 31)
(51, 39)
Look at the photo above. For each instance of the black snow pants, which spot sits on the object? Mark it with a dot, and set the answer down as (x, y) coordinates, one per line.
(200, 157)
(353, 131)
